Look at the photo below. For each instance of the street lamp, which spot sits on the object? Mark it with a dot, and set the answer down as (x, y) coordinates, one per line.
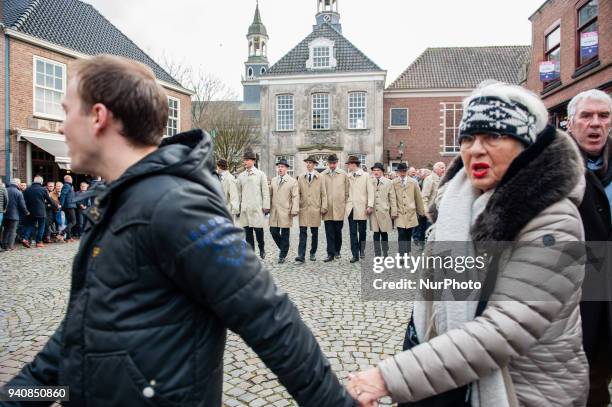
(400, 151)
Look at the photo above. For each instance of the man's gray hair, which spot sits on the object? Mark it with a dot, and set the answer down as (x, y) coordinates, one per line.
(38, 179)
(593, 94)
(439, 164)
(512, 94)
(16, 181)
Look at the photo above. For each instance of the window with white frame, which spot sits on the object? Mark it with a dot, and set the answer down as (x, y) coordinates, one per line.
(321, 57)
(320, 111)
(173, 126)
(357, 110)
(290, 160)
(49, 88)
(284, 112)
(451, 120)
(399, 117)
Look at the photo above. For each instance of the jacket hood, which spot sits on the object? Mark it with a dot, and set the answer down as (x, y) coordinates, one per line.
(187, 155)
(548, 171)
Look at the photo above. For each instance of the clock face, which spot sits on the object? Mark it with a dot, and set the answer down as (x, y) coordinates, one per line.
(327, 18)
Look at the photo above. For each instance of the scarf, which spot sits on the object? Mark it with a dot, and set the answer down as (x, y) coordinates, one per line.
(458, 209)
(603, 170)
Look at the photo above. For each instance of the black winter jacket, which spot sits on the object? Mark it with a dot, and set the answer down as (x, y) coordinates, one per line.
(160, 276)
(16, 204)
(37, 198)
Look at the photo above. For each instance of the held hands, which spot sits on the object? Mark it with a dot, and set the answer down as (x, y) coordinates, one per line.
(369, 210)
(266, 211)
(367, 387)
(323, 211)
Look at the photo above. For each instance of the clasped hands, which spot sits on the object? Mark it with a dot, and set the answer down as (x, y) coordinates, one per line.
(367, 387)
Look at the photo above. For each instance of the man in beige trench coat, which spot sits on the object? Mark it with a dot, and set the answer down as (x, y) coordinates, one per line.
(409, 205)
(358, 206)
(313, 204)
(228, 181)
(285, 205)
(385, 210)
(337, 187)
(254, 201)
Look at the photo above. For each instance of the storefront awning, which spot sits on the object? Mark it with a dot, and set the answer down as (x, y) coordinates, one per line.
(52, 143)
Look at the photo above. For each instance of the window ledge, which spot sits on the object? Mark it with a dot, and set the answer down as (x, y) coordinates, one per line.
(358, 129)
(399, 127)
(45, 116)
(585, 68)
(448, 154)
(317, 130)
(285, 131)
(550, 87)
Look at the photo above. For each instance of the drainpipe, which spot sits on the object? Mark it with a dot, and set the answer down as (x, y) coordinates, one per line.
(7, 114)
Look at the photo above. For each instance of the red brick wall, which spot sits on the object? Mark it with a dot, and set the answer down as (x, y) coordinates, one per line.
(21, 100)
(423, 139)
(565, 12)
(2, 126)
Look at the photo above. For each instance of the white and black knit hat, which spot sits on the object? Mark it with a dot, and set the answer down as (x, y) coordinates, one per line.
(489, 114)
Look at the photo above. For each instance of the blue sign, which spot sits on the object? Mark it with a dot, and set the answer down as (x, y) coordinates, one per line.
(589, 44)
(549, 71)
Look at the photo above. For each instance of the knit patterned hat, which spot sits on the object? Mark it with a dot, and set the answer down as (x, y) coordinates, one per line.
(488, 114)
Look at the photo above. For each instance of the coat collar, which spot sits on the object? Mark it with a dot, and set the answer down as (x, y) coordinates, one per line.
(552, 164)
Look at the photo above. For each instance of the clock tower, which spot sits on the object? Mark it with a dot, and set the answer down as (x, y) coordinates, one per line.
(327, 12)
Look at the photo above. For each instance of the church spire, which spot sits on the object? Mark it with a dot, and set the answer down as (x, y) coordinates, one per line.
(257, 64)
(327, 12)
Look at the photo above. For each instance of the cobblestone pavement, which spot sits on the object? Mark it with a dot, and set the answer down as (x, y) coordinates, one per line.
(353, 334)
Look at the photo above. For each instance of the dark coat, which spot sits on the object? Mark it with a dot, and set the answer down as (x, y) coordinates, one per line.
(81, 199)
(16, 204)
(37, 198)
(597, 316)
(160, 276)
(3, 199)
(67, 197)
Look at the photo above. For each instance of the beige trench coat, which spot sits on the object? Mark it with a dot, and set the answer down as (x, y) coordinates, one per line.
(254, 198)
(285, 200)
(228, 181)
(361, 195)
(385, 205)
(430, 189)
(313, 200)
(337, 188)
(409, 203)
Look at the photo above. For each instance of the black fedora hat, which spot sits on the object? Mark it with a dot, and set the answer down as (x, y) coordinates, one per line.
(249, 155)
(283, 162)
(402, 167)
(380, 166)
(353, 159)
(311, 158)
(332, 158)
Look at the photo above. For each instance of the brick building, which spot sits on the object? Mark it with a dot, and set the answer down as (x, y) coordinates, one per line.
(573, 38)
(422, 107)
(39, 40)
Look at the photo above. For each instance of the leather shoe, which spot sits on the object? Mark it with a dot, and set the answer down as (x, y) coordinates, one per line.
(262, 254)
(354, 260)
(328, 259)
(300, 259)
(313, 257)
(281, 260)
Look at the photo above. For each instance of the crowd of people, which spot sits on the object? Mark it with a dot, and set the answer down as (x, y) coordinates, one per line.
(42, 213)
(389, 200)
(163, 271)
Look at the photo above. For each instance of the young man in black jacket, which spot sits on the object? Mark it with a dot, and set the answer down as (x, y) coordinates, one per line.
(589, 123)
(162, 272)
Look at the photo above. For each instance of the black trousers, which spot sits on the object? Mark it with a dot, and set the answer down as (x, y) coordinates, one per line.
(304, 236)
(281, 238)
(404, 237)
(357, 229)
(70, 221)
(259, 234)
(50, 225)
(378, 236)
(333, 234)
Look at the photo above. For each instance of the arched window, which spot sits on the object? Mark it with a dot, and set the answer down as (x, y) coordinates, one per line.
(250, 72)
(263, 70)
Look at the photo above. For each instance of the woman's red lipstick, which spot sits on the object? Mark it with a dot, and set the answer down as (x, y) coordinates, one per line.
(480, 170)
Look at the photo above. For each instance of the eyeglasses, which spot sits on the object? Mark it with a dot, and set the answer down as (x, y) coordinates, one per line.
(487, 140)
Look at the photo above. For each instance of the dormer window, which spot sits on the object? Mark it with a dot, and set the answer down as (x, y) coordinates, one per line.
(321, 55)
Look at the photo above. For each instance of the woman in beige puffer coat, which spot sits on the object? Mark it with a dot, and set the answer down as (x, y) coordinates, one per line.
(526, 347)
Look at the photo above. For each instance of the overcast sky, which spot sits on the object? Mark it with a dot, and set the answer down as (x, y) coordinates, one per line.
(212, 34)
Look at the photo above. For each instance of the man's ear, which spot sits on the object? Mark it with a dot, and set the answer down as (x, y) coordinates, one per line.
(101, 117)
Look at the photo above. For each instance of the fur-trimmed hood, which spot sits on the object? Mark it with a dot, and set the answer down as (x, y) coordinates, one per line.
(548, 171)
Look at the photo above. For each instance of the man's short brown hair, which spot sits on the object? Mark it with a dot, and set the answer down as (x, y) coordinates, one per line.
(129, 90)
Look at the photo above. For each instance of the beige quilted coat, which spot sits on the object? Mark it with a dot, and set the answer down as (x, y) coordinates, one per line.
(540, 342)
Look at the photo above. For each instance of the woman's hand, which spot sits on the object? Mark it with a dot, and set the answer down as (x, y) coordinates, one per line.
(367, 387)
